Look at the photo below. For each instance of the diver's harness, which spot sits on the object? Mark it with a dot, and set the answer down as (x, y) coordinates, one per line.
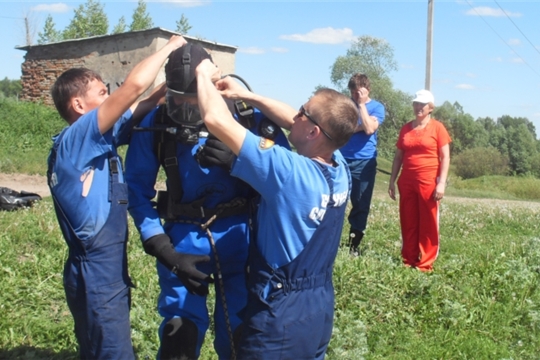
(169, 205)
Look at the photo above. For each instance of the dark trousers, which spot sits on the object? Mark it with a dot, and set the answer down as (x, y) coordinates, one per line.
(363, 173)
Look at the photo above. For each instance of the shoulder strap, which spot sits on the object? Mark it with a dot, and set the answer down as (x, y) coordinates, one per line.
(165, 150)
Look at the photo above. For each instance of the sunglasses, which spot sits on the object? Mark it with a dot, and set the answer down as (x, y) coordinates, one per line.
(303, 111)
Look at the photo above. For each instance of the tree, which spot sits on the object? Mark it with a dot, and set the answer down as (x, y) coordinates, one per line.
(368, 55)
(375, 58)
(141, 19)
(521, 148)
(182, 25)
(49, 34)
(89, 19)
(508, 121)
(10, 88)
(497, 139)
(464, 131)
(487, 123)
(121, 26)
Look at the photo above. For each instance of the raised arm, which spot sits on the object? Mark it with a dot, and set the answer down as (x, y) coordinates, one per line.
(140, 108)
(214, 110)
(279, 112)
(368, 124)
(137, 82)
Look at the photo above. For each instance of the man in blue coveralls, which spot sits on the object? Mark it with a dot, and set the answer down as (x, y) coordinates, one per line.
(90, 197)
(205, 212)
(300, 217)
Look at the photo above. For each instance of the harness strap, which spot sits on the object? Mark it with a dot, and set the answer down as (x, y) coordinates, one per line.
(195, 210)
(186, 62)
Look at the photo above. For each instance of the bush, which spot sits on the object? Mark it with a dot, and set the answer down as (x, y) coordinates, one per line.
(481, 161)
(500, 187)
(535, 165)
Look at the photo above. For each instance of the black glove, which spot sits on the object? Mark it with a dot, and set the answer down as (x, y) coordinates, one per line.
(215, 153)
(182, 265)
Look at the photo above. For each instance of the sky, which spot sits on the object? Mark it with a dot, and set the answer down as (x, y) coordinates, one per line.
(485, 54)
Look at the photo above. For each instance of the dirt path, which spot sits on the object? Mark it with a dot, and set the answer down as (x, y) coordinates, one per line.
(31, 183)
(38, 184)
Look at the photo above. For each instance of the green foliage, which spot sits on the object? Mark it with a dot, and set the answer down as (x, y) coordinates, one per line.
(25, 134)
(89, 19)
(182, 25)
(464, 131)
(375, 58)
(368, 55)
(141, 19)
(477, 162)
(481, 302)
(49, 34)
(511, 122)
(535, 164)
(398, 112)
(121, 26)
(10, 88)
(521, 148)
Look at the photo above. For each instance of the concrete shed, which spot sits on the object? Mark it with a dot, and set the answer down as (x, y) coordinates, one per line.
(112, 56)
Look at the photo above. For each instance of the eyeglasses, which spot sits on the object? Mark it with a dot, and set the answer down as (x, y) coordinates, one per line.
(303, 111)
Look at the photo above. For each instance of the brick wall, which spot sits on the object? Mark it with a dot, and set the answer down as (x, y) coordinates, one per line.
(38, 75)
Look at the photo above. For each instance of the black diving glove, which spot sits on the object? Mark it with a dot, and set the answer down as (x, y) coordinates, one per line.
(182, 265)
(215, 153)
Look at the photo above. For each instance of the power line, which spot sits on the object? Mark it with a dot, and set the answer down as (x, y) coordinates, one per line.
(504, 41)
(509, 18)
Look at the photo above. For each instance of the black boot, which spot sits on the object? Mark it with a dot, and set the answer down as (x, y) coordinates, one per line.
(355, 237)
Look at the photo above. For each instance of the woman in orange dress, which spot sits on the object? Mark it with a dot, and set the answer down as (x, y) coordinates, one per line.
(423, 155)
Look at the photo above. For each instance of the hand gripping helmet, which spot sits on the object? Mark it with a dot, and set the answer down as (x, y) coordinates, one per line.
(180, 69)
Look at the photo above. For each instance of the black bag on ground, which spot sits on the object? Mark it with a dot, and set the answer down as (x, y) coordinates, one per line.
(12, 200)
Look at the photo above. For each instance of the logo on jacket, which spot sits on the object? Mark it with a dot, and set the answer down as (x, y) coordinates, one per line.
(265, 144)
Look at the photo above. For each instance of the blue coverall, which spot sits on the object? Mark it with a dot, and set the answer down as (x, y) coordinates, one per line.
(96, 280)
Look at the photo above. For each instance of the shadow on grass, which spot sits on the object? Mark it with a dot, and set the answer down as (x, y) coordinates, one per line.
(30, 352)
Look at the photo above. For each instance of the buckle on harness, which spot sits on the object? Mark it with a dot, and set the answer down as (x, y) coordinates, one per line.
(113, 165)
(172, 161)
(245, 113)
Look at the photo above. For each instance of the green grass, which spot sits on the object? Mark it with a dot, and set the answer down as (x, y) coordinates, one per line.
(481, 302)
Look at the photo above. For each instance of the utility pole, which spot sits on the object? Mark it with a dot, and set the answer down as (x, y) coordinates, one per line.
(429, 44)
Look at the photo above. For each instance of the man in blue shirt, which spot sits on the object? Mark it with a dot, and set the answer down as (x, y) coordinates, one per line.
(304, 195)
(90, 198)
(361, 155)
